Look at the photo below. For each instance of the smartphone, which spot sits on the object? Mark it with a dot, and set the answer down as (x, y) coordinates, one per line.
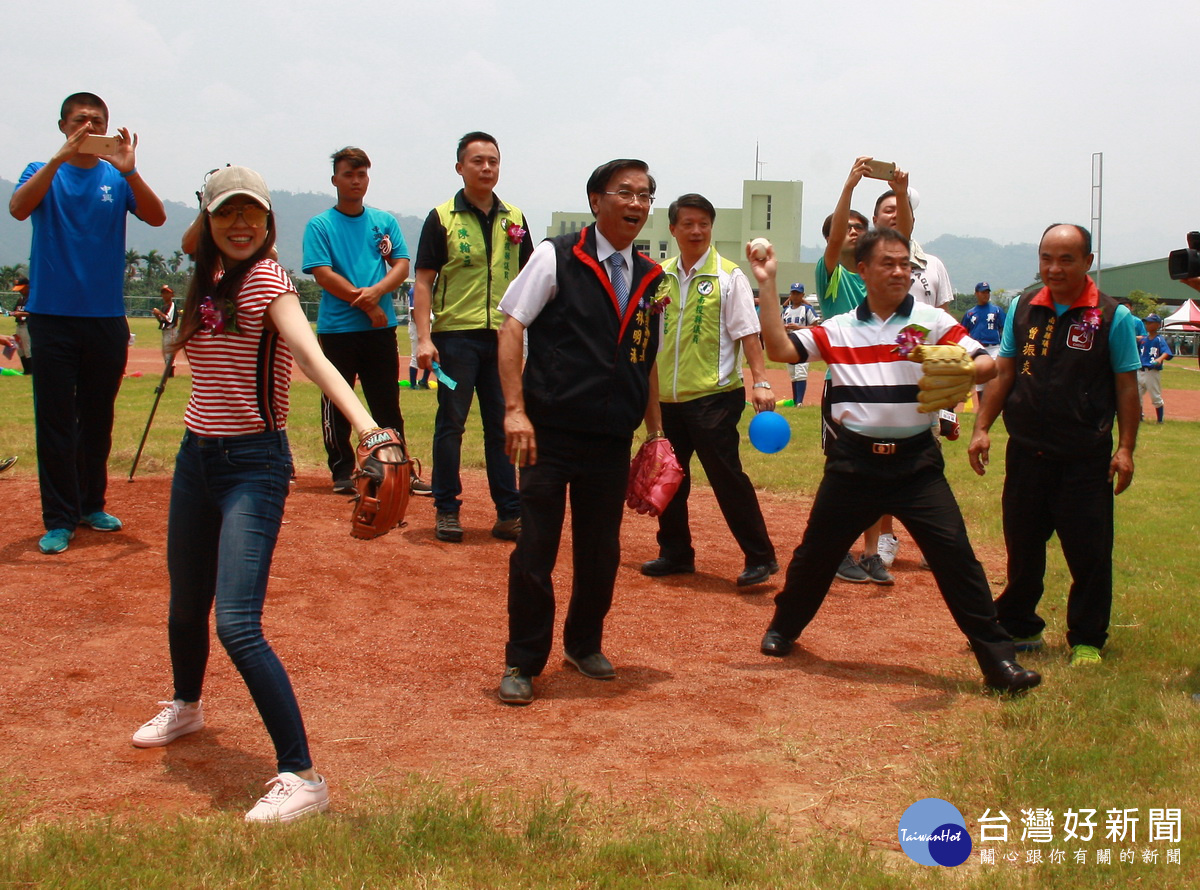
(881, 170)
(100, 145)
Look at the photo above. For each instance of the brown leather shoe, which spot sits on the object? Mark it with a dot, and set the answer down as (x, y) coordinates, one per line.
(595, 666)
(515, 687)
(507, 529)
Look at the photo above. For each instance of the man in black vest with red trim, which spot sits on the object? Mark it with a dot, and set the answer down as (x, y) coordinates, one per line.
(589, 380)
(1068, 364)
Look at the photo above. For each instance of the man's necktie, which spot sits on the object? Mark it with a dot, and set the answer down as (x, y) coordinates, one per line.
(620, 287)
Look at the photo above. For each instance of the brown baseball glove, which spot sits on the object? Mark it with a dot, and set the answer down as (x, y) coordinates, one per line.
(947, 375)
(383, 482)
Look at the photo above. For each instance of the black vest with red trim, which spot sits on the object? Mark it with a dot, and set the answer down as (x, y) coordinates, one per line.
(1064, 396)
(588, 368)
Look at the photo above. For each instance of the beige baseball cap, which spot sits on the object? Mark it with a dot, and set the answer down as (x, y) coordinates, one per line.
(230, 181)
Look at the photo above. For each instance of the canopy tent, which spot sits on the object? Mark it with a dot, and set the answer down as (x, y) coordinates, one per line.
(1186, 318)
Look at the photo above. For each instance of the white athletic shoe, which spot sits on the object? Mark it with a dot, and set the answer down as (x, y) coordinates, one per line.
(171, 722)
(289, 799)
(888, 545)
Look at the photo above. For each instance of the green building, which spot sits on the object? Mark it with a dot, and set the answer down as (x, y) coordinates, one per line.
(1150, 276)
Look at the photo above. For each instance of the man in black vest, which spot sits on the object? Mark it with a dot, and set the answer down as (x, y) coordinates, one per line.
(1068, 363)
(586, 300)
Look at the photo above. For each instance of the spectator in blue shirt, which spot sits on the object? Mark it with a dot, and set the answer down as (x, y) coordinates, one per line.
(1153, 350)
(79, 202)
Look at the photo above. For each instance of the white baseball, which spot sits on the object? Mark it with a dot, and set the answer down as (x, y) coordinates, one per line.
(759, 248)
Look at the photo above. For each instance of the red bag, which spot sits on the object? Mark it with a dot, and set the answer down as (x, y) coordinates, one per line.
(654, 477)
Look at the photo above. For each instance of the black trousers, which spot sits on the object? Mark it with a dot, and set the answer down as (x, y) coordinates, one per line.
(595, 471)
(854, 493)
(708, 428)
(371, 357)
(80, 365)
(1043, 495)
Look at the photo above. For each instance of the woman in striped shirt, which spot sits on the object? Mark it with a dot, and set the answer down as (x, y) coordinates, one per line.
(241, 325)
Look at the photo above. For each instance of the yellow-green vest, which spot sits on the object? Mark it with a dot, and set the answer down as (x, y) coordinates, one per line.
(689, 355)
(469, 286)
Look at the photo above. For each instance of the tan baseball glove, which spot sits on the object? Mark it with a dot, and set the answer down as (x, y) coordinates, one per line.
(947, 375)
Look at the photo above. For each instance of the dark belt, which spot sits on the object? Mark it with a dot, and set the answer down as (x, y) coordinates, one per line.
(870, 446)
(1149, 369)
(273, 436)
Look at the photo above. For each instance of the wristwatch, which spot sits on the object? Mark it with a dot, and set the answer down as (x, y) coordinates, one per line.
(762, 384)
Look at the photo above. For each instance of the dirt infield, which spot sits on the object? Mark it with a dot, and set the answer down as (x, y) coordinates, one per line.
(395, 647)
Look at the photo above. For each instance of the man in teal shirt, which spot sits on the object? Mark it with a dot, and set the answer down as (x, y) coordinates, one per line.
(1068, 364)
(358, 256)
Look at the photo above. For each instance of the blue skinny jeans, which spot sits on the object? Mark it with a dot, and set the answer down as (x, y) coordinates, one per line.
(226, 509)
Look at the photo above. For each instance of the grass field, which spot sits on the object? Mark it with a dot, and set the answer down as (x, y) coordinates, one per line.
(1120, 736)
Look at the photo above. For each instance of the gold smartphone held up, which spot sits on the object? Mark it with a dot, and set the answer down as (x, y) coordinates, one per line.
(100, 145)
(880, 170)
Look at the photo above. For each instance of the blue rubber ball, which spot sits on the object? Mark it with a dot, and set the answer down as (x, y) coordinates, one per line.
(769, 432)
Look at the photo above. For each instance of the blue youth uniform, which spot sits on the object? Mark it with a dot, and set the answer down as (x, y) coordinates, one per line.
(1151, 349)
(984, 324)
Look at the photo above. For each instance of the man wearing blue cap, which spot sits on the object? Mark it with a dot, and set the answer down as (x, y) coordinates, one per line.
(1153, 350)
(984, 323)
(798, 314)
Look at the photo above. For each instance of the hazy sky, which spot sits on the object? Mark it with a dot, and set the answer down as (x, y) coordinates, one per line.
(994, 108)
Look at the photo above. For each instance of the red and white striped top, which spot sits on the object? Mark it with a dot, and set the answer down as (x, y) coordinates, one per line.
(872, 388)
(240, 380)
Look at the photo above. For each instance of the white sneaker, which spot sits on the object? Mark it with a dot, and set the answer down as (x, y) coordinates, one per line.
(888, 545)
(172, 721)
(290, 798)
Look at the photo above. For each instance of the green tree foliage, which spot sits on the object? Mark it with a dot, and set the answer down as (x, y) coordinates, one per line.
(9, 274)
(156, 265)
(1144, 303)
(133, 262)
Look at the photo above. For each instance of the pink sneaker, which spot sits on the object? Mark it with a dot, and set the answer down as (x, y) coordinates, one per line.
(172, 721)
(290, 798)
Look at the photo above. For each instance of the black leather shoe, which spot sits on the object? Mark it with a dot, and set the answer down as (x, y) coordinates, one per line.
(757, 574)
(515, 687)
(656, 568)
(1008, 676)
(776, 644)
(595, 666)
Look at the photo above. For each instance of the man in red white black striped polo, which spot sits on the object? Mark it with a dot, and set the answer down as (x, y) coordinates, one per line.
(880, 456)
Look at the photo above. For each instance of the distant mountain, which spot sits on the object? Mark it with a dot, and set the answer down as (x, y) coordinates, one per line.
(971, 260)
(293, 211)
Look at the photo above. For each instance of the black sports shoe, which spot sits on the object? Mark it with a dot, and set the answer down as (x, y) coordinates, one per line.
(876, 571)
(850, 570)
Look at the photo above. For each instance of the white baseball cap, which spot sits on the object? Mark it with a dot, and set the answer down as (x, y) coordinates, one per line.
(230, 181)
